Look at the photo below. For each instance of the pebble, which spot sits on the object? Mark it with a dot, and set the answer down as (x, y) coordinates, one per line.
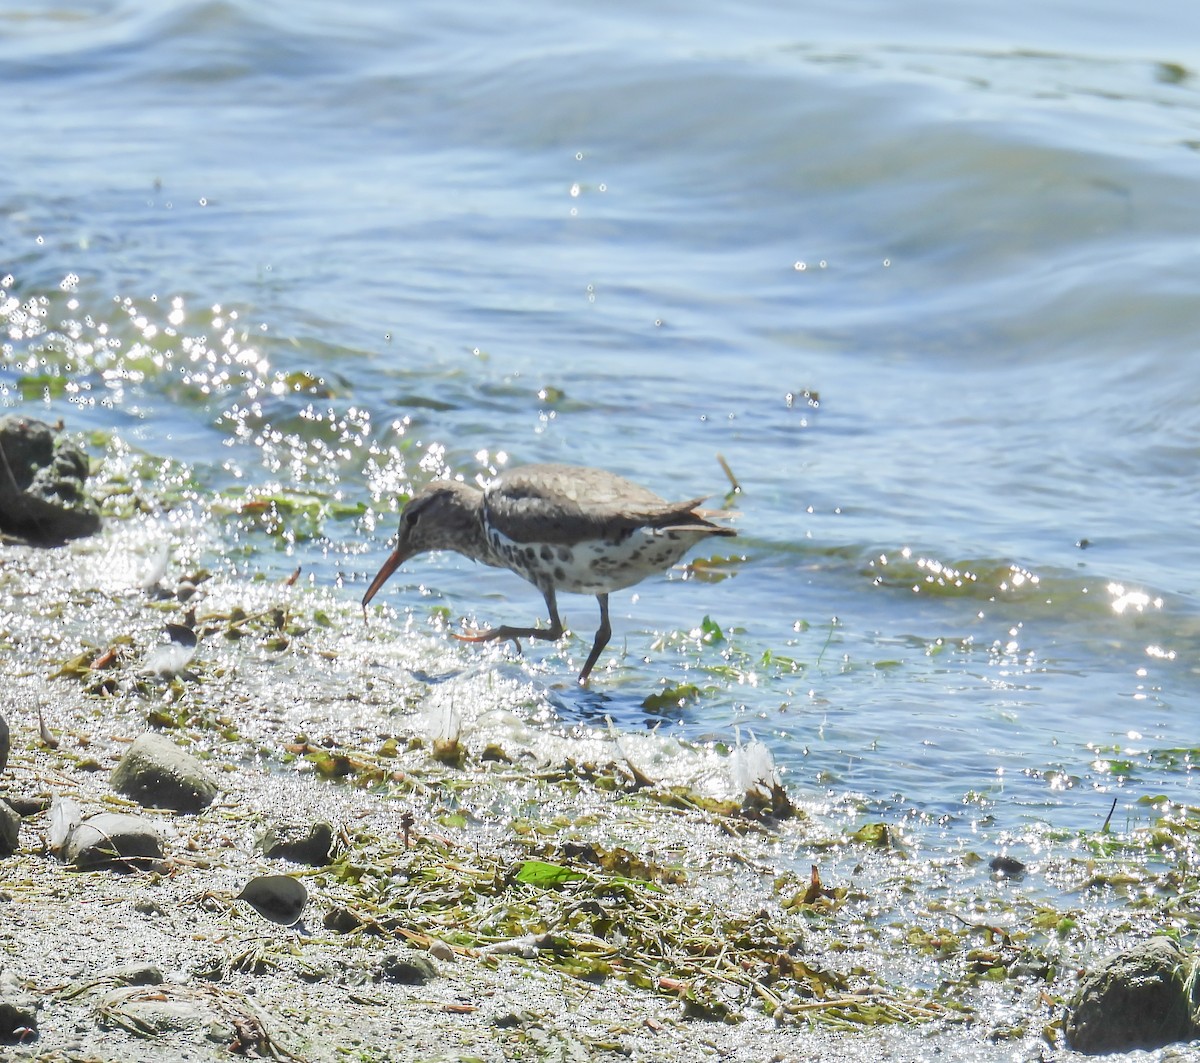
(10, 829)
(42, 496)
(414, 969)
(158, 774)
(279, 898)
(303, 845)
(1135, 999)
(18, 1010)
(114, 841)
(175, 1012)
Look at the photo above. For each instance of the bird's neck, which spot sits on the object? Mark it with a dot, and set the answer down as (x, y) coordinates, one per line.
(472, 540)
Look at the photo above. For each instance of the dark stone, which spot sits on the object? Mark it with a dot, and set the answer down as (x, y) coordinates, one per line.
(341, 921)
(42, 476)
(155, 772)
(1007, 867)
(4, 743)
(1136, 999)
(279, 898)
(24, 805)
(303, 845)
(10, 829)
(407, 970)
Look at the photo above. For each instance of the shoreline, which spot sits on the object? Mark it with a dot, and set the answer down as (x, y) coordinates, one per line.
(578, 894)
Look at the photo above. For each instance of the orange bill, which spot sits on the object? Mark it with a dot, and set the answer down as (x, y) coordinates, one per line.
(394, 561)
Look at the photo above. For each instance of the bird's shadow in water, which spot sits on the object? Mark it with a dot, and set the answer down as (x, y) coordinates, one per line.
(626, 709)
(429, 679)
(591, 704)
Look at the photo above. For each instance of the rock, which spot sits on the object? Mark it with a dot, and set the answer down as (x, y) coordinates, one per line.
(27, 805)
(169, 1012)
(279, 898)
(18, 1011)
(406, 970)
(4, 743)
(114, 841)
(1007, 867)
(155, 772)
(302, 845)
(1136, 999)
(135, 974)
(342, 921)
(65, 817)
(42, 479)
(10, 829)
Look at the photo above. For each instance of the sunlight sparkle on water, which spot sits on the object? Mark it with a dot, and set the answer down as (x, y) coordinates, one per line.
(1136, 601)
(942, 575)
(1019, 577)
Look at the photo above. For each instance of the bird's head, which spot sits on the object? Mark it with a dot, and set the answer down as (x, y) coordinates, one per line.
(443, 515)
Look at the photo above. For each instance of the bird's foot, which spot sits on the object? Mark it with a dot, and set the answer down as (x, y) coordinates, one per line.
(488, 635)
(476, 635)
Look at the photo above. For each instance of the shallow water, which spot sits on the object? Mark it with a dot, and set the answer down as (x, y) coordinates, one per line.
(925, 276)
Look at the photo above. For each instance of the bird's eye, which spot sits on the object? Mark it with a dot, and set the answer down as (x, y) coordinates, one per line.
(410, 518)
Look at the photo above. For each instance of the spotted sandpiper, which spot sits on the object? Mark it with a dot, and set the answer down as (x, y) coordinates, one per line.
(561, 527)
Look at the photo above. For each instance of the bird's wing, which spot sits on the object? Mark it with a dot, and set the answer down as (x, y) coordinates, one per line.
(564, 504)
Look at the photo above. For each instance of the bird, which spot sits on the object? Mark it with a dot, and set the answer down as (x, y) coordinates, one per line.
(568, 528)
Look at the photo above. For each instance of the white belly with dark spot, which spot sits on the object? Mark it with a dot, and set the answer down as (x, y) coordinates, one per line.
(596, 566)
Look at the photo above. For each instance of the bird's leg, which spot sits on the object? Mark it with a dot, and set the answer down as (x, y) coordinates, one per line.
(552, 633)
(603, 634)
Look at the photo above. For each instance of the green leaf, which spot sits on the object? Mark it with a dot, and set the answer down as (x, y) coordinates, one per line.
(546, 876)
(46, 386)
(304, 382)
(672, 697)
(874, 834)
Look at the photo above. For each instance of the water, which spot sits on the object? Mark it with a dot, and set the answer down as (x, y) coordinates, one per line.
(925, 275)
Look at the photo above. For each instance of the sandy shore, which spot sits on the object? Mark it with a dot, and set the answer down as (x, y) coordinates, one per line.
(576, 896)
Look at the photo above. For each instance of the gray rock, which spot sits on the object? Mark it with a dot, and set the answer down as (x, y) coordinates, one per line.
(65, 816)
(342, 921)
(114, 841)
(1136, 999)
(303, 845)
(42, 479)
(408, 969)
(4, 743)
(18, 1011)
(10, 829)
(173, 1012)
(155, 772)
(27, 805)
(135, 974)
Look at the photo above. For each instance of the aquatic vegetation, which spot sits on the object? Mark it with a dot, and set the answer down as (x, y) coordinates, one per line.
(588, 856)
(595, 914)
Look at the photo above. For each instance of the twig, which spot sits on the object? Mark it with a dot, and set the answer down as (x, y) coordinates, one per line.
(735, 487)
(47, 736)
(828, 640)
(1108, 818)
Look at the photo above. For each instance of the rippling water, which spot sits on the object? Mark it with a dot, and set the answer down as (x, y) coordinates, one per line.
(927, 278)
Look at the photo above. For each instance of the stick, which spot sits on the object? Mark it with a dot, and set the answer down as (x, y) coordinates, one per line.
(733, 480)
(1104, 829)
